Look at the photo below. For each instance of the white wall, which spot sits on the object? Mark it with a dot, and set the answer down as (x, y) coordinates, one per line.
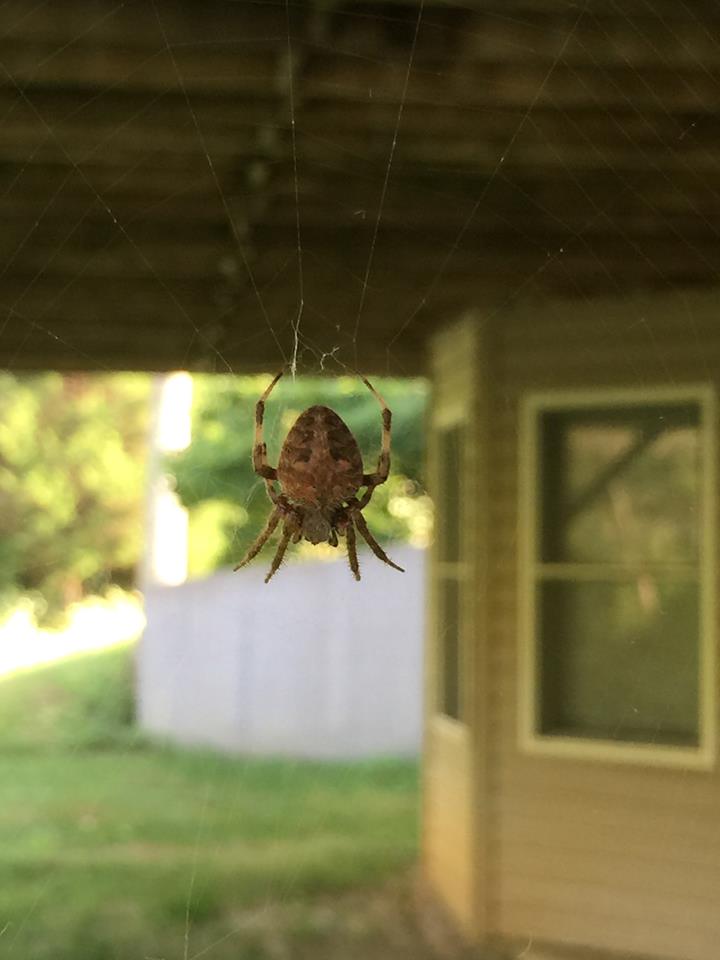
(312, 664)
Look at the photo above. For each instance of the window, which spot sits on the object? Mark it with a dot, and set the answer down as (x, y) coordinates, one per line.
(450, 569)
(617, 531)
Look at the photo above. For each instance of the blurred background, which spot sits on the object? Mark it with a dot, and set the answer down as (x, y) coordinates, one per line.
(126, 500)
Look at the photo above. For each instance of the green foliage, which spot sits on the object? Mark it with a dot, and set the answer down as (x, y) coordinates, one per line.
(227, 502)
(84, 701)
(71, 467)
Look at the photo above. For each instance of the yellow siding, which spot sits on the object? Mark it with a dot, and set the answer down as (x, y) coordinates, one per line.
(616, 856)
(449, 850)
(453, 787)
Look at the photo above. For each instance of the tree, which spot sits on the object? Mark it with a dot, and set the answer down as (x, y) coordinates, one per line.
(227, 501)
(72, 452)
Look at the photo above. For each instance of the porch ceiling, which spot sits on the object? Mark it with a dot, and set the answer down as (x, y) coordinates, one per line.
(542, 150)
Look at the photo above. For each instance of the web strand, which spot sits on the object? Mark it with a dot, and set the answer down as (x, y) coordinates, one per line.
(386, 180)
(213, 172)
(114, 218)
(491, 179)
(296, 186)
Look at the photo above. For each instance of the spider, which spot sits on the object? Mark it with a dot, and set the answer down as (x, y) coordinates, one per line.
(320, 472)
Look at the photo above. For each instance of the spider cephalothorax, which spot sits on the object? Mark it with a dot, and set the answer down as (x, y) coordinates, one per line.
(320, 472)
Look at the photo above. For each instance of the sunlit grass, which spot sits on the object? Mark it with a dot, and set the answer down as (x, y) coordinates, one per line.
(107, 852)
(94, 624)
(78, 702)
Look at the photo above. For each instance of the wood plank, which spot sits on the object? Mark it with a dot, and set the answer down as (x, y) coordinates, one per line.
(171, 260)
(247, 60)
(511, 85)
(679, 860)
(37, 351)
(92, 68)
(680, 917)
(134, 22)
(112, 299)
(585, 925)
(497, 122)
(125, 140)
(49, 127)
(189, 191)
(481, 36)
(654, 804)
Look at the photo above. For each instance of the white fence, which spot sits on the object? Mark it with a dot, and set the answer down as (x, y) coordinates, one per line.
(312, 664)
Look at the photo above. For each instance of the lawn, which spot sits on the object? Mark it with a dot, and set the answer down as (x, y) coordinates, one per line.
(111, 848)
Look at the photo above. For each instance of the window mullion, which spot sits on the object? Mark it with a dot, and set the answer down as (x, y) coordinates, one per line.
(614, 571)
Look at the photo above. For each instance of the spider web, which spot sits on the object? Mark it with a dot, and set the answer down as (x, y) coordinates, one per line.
(288, 351)
(341, 354)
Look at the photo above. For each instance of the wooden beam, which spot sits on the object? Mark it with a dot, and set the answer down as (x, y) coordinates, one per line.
(391, 334)
(72, 48)
(45, 127)
(123, 127)
(134, 23)
(512, 85)
(197, 277)
(44, 204)
(484, 59)
(319, 116)
(118, 259)
(240, 342)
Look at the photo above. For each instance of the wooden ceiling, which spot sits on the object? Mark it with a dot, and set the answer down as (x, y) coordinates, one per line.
(148, 179)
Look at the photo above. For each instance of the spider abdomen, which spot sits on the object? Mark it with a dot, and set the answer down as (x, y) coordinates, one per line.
(320, 461)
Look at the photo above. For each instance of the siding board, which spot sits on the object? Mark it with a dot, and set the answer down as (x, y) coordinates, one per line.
(454, 795)
(647, 936)
(558, 850)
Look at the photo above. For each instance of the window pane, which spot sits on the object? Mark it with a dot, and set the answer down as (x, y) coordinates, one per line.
(450, 463)
(619, 661)
(449, 626)
(621, 486)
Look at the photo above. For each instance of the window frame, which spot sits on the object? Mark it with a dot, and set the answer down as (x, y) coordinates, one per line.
(452, 417)
(531, 740)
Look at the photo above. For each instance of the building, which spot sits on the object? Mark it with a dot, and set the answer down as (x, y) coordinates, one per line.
(571, 778)
(538, 183)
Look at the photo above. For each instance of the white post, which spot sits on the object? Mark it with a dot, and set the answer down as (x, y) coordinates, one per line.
(165, 552)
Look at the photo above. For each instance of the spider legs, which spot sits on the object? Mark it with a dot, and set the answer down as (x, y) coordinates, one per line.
(260, 464)
(287, 534)
(290, 531)
(362, 526)
(372, 480)
(255, 549)
(354, 517)
(351, 519)
(352, 549)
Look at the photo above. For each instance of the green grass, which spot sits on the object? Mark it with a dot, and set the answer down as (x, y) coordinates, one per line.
(107, 852)
(83, 701)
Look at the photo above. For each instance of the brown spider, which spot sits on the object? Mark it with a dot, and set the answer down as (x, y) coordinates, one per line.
(320, 472)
